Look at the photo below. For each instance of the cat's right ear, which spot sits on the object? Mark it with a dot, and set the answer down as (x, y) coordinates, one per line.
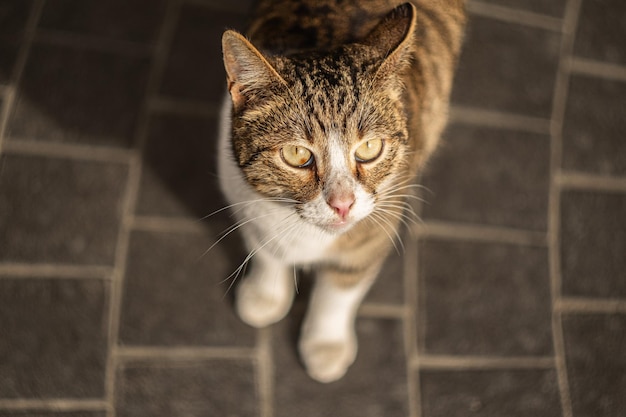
(249, 74)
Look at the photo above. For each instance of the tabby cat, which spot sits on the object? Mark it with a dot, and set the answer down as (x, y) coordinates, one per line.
(334, 107)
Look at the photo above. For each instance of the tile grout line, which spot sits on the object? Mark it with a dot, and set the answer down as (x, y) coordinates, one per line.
(182, 106)
(475, 232)
(214, 5)
(159, 57)
(8, 97)
(166, 224)
(55, 404)
(73, 151)
(92, 42)
(591, 182)
(61, 271)
(574, 305)
(18, 68)
(484, 362)
(265, 372)
(151, 353)
(410, 269)
(513, 15)
(115, 301)
(497, 119)
(599, 69)
(382, 311)
(570, 21)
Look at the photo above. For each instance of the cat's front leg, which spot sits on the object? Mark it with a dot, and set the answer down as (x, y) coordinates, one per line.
(266, 292)
(328, 343)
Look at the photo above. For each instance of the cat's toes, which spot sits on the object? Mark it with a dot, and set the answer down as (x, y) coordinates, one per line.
(258, 308)
(328, 361)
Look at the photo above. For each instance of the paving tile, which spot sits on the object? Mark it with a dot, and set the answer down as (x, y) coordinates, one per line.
(59, 210)
(487, 393)
(30, 413)
(594, 126)
(555, 8)
(194, 68)
(190, 389)
(483, 299)
(389, 285)
(507, 67)
(13, 17)
(180, 173)
(489, 176)
(593, 244)
(173, 294)
(380, 363)
(80, 96)
(53, 338)
(128, 20)
(601, 31)
(596, 363)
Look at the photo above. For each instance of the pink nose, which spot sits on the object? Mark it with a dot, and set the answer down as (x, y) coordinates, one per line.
(341, 204)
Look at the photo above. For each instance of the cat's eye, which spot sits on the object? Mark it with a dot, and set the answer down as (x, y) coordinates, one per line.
(368, 151)
(297, 156)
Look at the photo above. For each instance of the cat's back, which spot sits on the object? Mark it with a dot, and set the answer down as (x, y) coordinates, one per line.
(284, 26)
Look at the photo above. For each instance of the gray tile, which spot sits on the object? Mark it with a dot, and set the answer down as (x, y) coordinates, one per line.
(555, 8)
(59, 210)
(489, 393)
(13, 17)
(194, 68)
(8, 55)
(593, 244)
(376, 385)
(484, 299)
(190, 389)
(489, 176)
(596, 364)
(507, 67)
(180, 173)
(53, 338)
(389, 285)
(129, 20)
(601, 31)
(173, 293)
(593, 131)
(77, 95)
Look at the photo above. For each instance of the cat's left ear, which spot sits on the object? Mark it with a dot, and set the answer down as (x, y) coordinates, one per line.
(249, 73)
(393, 39)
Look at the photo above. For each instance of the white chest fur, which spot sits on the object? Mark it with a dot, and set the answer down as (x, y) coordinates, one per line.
(268, 226)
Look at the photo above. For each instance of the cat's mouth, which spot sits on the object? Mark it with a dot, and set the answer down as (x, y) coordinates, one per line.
(337, 226)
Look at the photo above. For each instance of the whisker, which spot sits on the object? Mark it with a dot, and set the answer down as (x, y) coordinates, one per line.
(381, 221)
(250, 255)
(249, 203)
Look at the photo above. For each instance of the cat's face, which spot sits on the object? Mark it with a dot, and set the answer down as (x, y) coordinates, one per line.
(327, 131)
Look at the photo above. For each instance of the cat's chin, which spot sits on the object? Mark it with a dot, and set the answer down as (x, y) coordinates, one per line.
(337, 227)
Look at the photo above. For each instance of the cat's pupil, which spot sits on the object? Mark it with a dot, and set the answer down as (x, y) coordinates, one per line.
(297, 156)
(369, 150)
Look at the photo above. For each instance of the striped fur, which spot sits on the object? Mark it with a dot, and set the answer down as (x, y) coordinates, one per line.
(329, 76)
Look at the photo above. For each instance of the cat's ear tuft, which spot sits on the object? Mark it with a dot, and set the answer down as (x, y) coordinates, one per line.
(248, 72)
(393, 38)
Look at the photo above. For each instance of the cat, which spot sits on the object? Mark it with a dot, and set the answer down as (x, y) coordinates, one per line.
(333, 108)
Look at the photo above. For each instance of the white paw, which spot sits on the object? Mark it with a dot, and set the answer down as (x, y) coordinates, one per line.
(260, 308)
(326, 360)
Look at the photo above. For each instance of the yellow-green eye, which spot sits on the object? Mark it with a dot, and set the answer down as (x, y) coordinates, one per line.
(368, 151)
(297, 156)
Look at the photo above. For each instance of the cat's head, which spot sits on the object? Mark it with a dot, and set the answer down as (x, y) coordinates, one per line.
(325, 129)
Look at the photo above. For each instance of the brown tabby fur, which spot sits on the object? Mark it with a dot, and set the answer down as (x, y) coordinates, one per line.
(331, 65)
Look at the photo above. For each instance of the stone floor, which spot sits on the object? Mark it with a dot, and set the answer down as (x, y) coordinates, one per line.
(509, 301)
